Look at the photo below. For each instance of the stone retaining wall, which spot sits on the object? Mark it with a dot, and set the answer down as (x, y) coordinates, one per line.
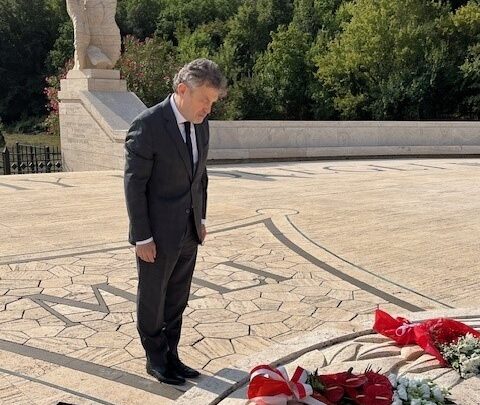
(323, 139)
(96, 111)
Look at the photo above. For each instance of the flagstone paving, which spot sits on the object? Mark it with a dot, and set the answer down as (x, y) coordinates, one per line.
(293, 249)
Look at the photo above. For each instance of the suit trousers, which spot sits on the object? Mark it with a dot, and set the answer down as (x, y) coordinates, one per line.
(162, 296)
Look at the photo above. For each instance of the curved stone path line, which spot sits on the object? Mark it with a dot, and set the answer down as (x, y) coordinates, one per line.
(279, 224)
(311, 249)
(277, 221)
(370, 273)
(108, 373)
(65, 252)
(16, 188)
(54, 386)
(335, 272)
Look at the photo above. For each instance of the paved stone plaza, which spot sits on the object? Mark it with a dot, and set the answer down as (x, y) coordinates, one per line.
(294, 249)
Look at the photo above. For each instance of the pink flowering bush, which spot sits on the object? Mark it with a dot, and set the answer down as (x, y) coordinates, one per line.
(148, 67)
(52, 122)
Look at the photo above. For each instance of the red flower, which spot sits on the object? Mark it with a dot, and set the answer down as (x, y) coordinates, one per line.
(316, 395)
(369, 388)
(345, 379)
(334, 393)
(377, 378)
(375, 394)
(429, 334)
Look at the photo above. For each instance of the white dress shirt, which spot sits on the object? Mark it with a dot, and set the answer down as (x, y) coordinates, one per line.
(180, 122)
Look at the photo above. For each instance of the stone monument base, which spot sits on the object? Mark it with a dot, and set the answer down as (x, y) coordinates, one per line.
(96, 111)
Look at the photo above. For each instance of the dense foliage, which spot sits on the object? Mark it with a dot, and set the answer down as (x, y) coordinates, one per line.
(284, 59)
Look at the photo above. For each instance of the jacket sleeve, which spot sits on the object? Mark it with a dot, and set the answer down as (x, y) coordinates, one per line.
(139, 160)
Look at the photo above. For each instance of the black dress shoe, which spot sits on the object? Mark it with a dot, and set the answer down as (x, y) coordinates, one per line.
(182, 369)
(165, 374)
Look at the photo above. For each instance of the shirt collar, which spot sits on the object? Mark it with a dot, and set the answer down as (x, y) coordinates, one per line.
(178, 115)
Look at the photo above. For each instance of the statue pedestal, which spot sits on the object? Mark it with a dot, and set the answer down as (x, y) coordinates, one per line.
(92, 80)
(95, 113)
(93, 74)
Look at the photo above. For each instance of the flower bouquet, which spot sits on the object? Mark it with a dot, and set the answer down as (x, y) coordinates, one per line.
(270, 386)
(369, 388)
(453, 343)
(417, 392)
(463, 355)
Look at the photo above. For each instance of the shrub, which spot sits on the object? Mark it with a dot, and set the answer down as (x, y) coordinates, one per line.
(52, 122)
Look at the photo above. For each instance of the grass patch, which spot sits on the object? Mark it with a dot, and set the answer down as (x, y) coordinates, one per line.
(41, 139)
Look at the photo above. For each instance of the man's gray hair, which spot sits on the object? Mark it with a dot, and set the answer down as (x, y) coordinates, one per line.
(199, 72)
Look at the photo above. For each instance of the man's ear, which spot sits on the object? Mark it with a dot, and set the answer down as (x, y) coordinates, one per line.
(181, 89)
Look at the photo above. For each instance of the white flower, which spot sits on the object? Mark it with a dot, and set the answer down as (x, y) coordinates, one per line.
(425, 390)
(437, 394)
(412, 384)
(402, 392)
(470, 366)
(463, 355)
(417, 392)
(403, 381)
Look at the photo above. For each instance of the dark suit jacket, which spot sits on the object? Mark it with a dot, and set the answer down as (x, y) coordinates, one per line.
(159, 188)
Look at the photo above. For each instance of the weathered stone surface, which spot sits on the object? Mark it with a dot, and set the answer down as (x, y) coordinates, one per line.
(213, 315)
(71, 284)
(223, 330)
(214, 348)
(259, 317)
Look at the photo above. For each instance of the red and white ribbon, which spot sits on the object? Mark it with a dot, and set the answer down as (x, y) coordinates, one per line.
(296, 387)
(402, 329)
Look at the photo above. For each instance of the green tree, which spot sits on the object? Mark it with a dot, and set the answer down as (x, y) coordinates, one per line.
(28, 29)
(457, 3)
(312, 16)
(249, 34)
(283, 74)
(385, 62)
(63, 48)
(304, 17)
(138, 17)
(203, 42)
(465, 49)
(470, 104)
(192, 14)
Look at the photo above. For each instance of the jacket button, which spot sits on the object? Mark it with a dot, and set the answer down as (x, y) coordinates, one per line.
(187, 210)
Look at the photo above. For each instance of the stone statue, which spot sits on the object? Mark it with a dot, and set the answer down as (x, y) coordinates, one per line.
(97, 36)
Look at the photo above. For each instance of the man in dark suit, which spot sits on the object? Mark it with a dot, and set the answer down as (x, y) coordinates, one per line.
(166, 195)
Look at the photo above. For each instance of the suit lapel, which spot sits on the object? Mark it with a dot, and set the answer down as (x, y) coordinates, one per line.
(174, 133)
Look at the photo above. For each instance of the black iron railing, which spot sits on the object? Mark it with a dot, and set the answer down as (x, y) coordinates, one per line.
(24, 159)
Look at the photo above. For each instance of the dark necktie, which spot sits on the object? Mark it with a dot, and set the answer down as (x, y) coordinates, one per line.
(188, 140)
